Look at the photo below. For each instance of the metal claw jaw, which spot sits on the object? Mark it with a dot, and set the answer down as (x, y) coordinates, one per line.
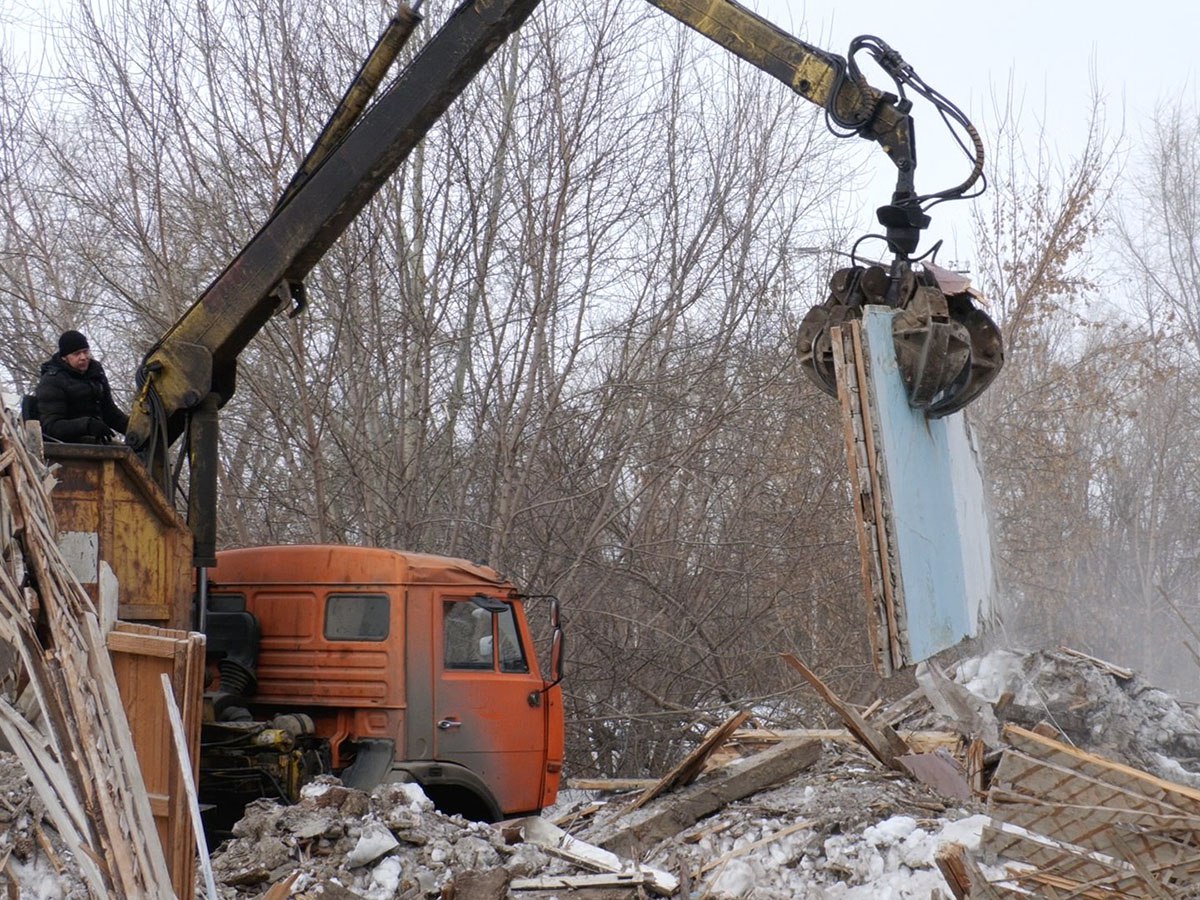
(947, 349)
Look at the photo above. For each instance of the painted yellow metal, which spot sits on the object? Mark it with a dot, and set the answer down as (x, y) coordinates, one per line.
(105, 496)
(810, 71)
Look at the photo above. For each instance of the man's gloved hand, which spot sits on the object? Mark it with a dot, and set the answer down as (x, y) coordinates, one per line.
(97, 429)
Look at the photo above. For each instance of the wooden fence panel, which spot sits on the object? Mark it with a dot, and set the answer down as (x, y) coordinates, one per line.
(140, 655)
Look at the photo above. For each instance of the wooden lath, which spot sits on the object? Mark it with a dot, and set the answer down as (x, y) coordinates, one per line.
(1054, 800)
(1086, 826)
(1157, 837)
(1185, 799)
(1097, 872)
(867, 480)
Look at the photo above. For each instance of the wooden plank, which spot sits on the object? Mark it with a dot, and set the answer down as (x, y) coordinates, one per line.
(1119, 672)
(577, 882)
(141, 655)
(883, 742)
(569, 820)
(1049, 884)
(918, 741)
(976, 759)
(950, 860)
(692, 764)
(863, 508)
(892, 602)
(629, 833)
(183, 758)
(611, 785)
(119, 640)
(964, 877)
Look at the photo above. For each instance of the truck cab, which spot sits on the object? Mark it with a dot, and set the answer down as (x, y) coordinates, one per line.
(377, 665)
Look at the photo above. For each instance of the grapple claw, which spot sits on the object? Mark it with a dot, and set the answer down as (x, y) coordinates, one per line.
(948, 350)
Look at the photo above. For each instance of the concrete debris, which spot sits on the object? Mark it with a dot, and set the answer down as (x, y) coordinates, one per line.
(835, 824)
(1123, 718)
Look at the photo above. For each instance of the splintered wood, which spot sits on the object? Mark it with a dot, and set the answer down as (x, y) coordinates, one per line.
(60, 711)
(1076, 824)
(866, 477)
(883, 742)
(693, 763)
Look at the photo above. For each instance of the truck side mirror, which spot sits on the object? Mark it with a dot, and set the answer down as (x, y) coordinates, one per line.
(557, 644)
(556, 657)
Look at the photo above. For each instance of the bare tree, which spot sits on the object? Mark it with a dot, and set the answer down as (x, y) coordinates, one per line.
(559, 339)
(1035, 232)
(1149, 564)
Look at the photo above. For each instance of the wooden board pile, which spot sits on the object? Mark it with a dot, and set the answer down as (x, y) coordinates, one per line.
(1075, 824)
(60, 711)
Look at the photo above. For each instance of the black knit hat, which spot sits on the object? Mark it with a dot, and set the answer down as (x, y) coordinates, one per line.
(71, 342)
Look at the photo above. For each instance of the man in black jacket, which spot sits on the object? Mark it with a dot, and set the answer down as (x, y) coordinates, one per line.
(74, 401)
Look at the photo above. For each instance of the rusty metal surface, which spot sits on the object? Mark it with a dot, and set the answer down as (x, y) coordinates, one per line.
(104, 491)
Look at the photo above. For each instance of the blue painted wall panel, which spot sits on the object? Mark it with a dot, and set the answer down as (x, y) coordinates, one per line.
(935, 495)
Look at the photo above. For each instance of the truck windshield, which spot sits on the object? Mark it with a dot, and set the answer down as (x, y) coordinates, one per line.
(472, 633)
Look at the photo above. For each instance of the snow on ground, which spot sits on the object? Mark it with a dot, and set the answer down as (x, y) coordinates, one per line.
(872, 834)
(845, 828)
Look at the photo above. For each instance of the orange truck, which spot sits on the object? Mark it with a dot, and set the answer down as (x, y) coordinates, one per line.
(374, 665)
(377, 665)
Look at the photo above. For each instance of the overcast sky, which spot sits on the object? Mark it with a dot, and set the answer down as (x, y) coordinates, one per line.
(1140, 54)
(1048, 53)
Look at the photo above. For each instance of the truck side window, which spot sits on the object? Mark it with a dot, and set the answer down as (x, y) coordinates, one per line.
(512, 656)
(468, 635)
(357, 617)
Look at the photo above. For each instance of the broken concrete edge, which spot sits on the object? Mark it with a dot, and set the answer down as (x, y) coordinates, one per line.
(551, 838)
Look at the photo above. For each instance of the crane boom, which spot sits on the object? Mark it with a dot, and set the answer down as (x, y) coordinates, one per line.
(191, 370)
(198, 354)
(817, 75)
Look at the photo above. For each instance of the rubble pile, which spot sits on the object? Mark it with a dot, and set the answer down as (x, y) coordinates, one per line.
(840, 829)
(338, 841)
(31, 852)
(1096, 706)
(845, 826)
(789, 814)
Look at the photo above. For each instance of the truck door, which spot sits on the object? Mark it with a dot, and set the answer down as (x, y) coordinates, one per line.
(489, 710)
